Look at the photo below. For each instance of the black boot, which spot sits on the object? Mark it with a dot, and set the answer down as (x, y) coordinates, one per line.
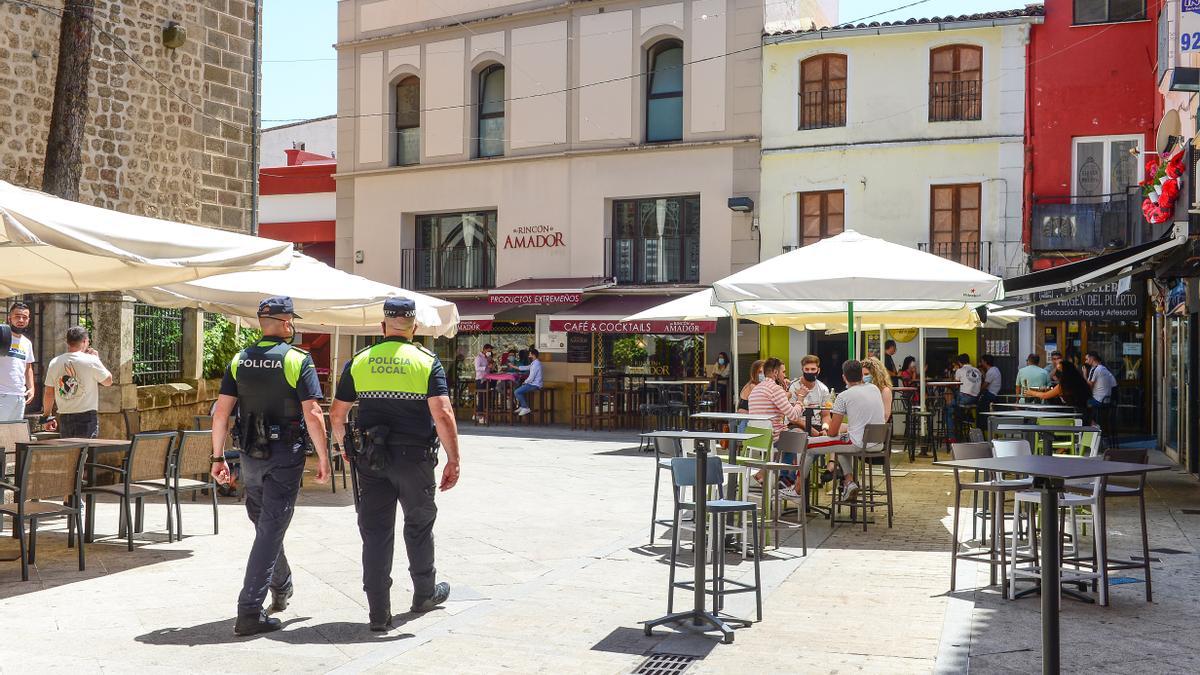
(253, 624)
(382, 625)
(440, 593)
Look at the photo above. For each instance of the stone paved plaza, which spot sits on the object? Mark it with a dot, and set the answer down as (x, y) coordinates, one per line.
(545, 544)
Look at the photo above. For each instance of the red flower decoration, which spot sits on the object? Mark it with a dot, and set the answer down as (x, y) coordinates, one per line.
(1151, 167)
(1170, 190)
(1175, 166)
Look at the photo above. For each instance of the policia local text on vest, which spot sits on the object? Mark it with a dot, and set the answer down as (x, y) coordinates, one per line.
(277, 396)
(404, 410)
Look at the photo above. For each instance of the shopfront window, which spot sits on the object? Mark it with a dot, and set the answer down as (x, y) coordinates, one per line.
(677, 356)
(655, 241)
(453, 250)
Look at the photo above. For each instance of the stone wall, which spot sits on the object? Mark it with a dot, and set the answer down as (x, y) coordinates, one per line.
(166, 406)
(147, 151)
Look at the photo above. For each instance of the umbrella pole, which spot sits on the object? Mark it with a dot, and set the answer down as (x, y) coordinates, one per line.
(921, 364)
(850, 331)
(333, 362)
(734, 386)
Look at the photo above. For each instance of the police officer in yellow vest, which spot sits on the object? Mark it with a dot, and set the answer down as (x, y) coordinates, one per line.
(278, 399)
(403, 410)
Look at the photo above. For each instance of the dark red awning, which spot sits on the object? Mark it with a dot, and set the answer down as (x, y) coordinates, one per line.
(606, 313)
(558, 290)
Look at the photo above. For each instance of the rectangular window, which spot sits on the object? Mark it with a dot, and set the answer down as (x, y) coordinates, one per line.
(1105, 167)
(822, 214)
(954, 222)
(453, 250)
(1109, 11)
(655, 240)
(956, 83)
(823, 92)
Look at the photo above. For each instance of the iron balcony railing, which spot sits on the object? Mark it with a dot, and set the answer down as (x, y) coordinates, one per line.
(955, 101)
(1093, 223)
(823, 109)
(449, 268)
(977, 254)
(652, 260)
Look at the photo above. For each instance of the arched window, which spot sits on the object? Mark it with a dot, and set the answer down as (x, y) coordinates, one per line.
(664, 92)
(823, 91)
(408, 121)
(491, 111)
(956, 83)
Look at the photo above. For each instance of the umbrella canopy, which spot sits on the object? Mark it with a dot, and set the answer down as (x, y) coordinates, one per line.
(52, 245)
(325, 298)
(852, 268)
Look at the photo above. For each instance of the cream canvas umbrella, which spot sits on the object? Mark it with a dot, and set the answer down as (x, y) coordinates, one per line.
(52, 245)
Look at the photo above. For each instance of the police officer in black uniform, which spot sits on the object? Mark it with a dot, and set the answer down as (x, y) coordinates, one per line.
(275, 389)
(403, 410)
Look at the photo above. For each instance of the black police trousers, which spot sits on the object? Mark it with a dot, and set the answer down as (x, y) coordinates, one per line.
(271, 486)
(411, 484)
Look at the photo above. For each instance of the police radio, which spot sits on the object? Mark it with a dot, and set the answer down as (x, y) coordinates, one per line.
(6, 338)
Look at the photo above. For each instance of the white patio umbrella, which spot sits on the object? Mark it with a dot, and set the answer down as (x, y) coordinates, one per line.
(52, 245)
(851, 268)
(328, 300)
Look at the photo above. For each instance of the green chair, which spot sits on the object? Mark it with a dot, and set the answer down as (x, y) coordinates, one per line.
(1063, 442)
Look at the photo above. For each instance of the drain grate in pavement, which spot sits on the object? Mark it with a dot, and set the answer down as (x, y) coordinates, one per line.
(664, 664)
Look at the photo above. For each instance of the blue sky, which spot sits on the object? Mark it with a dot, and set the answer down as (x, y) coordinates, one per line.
(300, 70)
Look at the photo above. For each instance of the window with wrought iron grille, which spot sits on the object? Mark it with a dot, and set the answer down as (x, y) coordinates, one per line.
(655, 241)
(823, 91)
(956, 83)
(822, 214)
(954, 222)
(1109, 11)
(408, 121)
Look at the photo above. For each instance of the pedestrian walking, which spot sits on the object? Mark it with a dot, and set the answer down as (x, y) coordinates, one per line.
(278, 398)
(16, 367)
(404, 410)
(72, 388)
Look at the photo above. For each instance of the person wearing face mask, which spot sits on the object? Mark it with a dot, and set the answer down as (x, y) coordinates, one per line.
(16, 367)
(874, 372)
(743, 404)
(275, 389)
(808, 390)
(720, 378)
(483, 366)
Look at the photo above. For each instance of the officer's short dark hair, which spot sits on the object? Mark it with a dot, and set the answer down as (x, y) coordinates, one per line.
(852, 371)
(76, 335)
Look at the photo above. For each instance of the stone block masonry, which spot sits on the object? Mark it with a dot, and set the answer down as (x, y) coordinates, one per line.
(146, 151)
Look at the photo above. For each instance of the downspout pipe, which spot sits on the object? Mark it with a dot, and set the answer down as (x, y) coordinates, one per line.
(255, 115)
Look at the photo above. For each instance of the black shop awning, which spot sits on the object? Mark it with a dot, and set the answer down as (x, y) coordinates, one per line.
(1099, 269)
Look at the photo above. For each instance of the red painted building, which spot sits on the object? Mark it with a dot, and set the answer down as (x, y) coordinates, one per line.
(1092, 106)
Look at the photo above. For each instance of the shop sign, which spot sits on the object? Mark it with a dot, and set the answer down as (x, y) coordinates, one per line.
(1102, 302)
(474, 325)
(633, 327)
(534, 236)
(1189, 26)
(535, 298)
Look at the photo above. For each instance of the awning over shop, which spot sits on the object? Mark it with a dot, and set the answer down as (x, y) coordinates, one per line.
(561, 290)
(1091, 271)
(606, 314)
(481, 316)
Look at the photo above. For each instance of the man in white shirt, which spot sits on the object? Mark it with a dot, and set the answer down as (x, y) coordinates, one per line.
(532, 383)
(1101, 378)
(16, 367)
(968, 392)
(807, 389)
(992, 381)
(72, 387)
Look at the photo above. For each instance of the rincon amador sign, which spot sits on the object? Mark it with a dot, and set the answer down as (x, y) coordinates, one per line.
(534, 236)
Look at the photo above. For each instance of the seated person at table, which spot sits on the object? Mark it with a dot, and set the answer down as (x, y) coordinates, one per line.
(1052, 366)
(968, 393)
(508, 359)
(531, 384)
(992, 380)
(908, 373)
(743, 404)
(874, 372)
(1032, 375)
(860, 405)
(1072, 387)
(770, 398)
(807, 390)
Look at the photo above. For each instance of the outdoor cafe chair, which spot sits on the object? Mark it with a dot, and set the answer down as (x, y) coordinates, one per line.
(868, 496)
(795, 443)
(994, 487)
(1121, 490)
(49, 474)
(665, 449)
(11, 433)
(193, 473)
(144, 472)
(683, 473)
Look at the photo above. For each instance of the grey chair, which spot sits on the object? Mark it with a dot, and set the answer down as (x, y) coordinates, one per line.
(192, 472)
(1121, 490)
(683, 475)
(665, 450)
(48, 475)
(993, 489)
(868, 497)
(795, 443)
(146, 471)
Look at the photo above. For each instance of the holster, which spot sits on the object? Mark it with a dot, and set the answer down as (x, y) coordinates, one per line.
(255, 436)
(374, 449)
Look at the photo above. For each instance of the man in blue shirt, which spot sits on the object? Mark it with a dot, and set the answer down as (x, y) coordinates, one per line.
(532, 383)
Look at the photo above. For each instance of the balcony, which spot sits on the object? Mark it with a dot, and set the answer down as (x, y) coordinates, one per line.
(657, 260)
(444, 269)
(977, 254)
(955, 101)
(1091, 224)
